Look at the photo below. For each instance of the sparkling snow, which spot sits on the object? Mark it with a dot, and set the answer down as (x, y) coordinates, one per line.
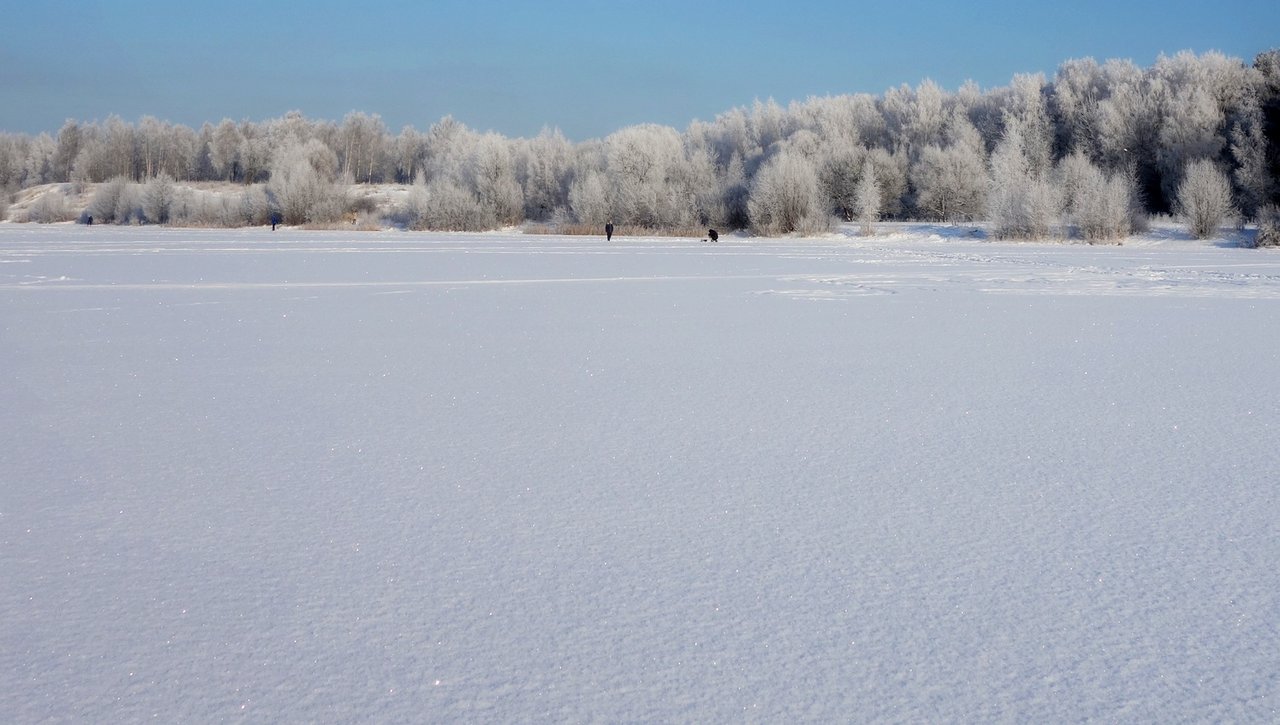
(315, 476)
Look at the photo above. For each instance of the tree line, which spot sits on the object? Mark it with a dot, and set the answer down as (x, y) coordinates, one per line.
(1096, 148)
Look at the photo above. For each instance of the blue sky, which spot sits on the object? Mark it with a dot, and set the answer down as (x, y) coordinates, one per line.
(587, 68)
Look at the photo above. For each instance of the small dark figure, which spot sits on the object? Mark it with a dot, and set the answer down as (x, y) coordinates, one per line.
(89, 221)
(608, 232)
(714, 235)
(275, 219)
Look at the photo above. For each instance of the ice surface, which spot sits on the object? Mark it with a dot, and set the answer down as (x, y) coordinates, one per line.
(311, 476)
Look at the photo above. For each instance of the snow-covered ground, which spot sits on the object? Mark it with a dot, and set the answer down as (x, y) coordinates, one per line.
(315, 476)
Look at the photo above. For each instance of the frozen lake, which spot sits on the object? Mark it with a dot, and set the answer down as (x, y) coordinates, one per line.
(315, 476)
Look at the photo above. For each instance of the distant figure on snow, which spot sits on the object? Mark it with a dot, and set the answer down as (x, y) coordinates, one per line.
(275, 219)
(608, 232)
(715, 236)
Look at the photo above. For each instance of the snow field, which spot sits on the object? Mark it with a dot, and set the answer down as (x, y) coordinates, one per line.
(309, 476)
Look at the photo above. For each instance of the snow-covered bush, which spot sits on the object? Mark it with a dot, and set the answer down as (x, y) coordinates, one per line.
(198, 208)
(255, 207)
(838, 173)
(588, 198)
(115, 202)
(1099, 204)
(785, 198)
(1023, 203)
(491, 173)
(1268, 227)
(1103, 208)
(50, 208)
(157, 199)
(1204, 198)
(950, 184)
(644, 172)
(302, 182)
(445, 206)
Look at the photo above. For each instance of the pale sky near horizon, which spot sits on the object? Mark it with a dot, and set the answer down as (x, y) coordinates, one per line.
(587, 68)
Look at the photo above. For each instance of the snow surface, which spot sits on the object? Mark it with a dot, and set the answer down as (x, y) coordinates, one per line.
(315, 476)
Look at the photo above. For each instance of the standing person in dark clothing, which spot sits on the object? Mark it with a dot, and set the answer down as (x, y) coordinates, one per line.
(714, 235)
(608, 231)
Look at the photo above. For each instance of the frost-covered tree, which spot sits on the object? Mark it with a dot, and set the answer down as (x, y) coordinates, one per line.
(915, 119)
(255, 206)
(37, 166)
(1078, 87)
(224, 149)
(644, 164)
(446, 147)
(868, 199)
(363, 146)
(838, 172)
(1192, 130)
(891, 177)
(302, 183)
(12, 150)
(408, 152)
(444, 205)
(951, 182)
(1099, 204)
(543, 169)
(785, 198)
(1204, 198)
(64, 158)
(50, 208)
(491, 174)
(1022, 202)
(768, 123)
(1268, 227)
(114, 202)
(1254, 185)
(256, 153)
(736, 191)
(158, 199)
(589, 198)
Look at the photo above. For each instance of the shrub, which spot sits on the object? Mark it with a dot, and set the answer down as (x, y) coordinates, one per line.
(1100, 205)
(1268, 227)
(303, 187)
(1023, 203)
(157, 199)
(255, 207)
(785, 198)
(445, 206)
(111, 202)
(1204, 198)
(50, 208)
(206, 209)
